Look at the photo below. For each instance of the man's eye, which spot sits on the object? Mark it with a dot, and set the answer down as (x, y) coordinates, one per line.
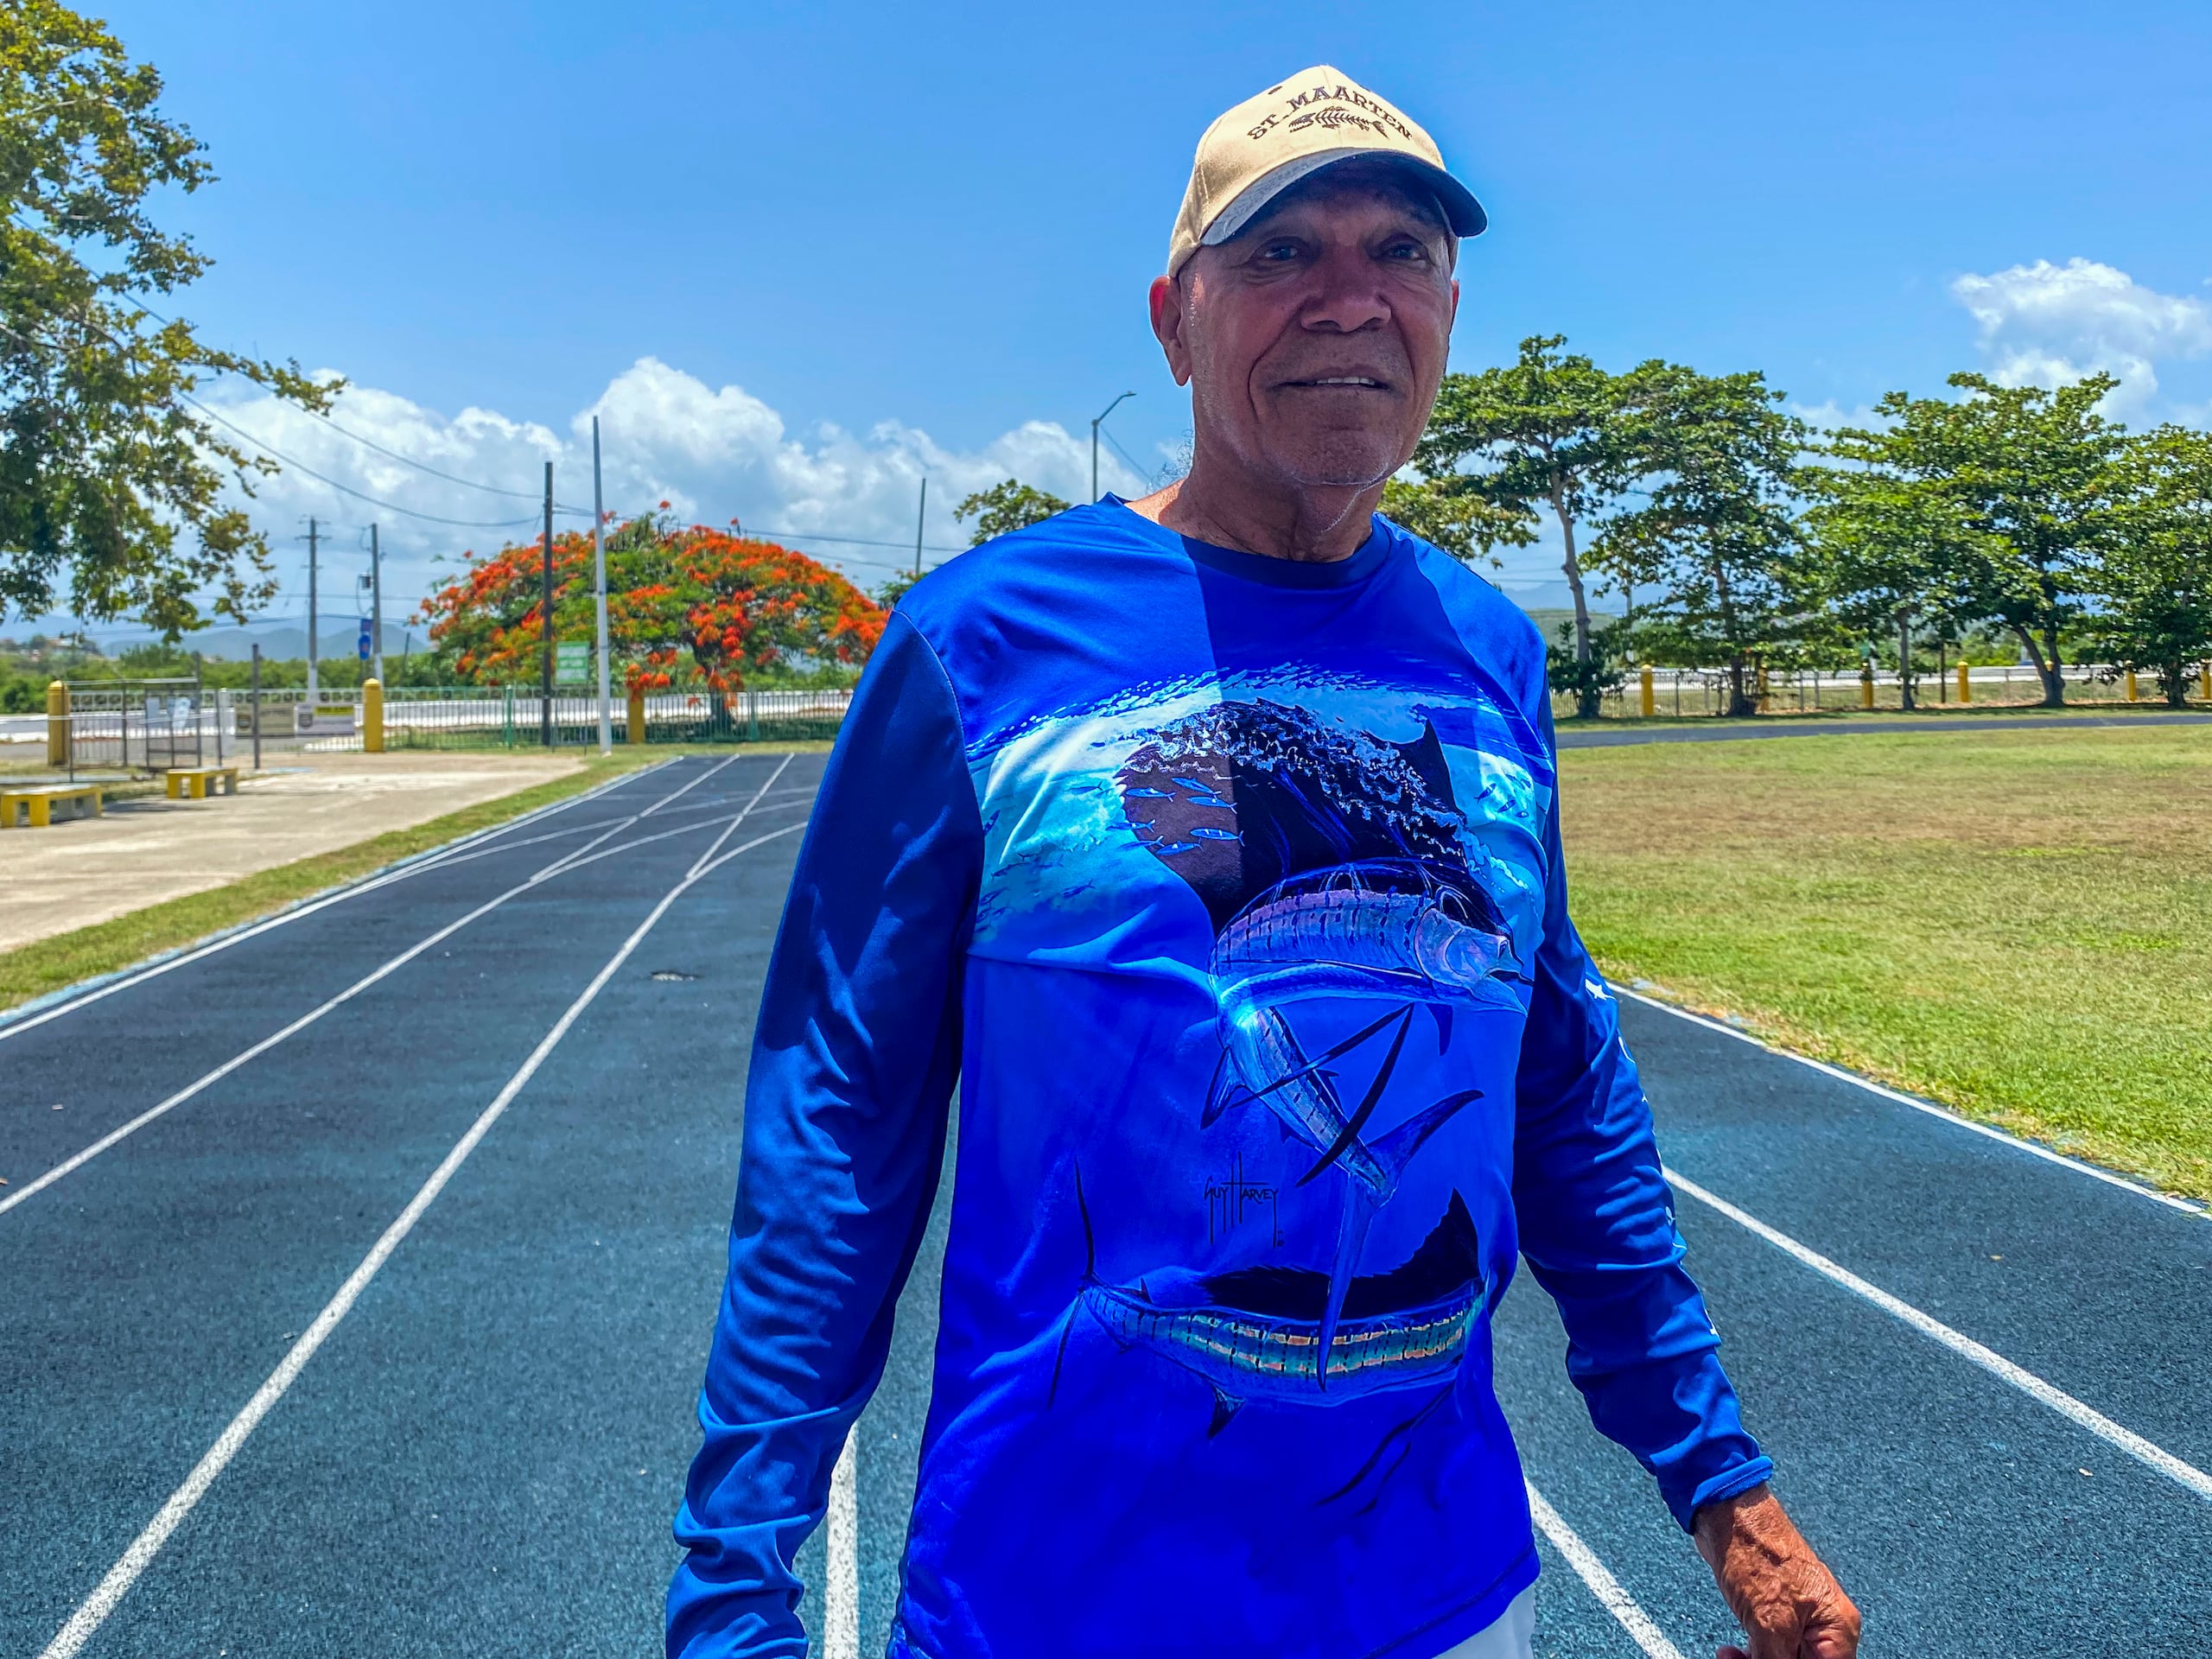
(1279, 252)
(1412, 250)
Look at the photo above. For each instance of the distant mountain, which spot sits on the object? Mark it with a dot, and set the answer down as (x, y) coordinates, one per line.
(289, 641)
(282, 643)
(1554, 596)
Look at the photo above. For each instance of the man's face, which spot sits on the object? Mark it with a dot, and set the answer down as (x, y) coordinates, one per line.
(1314, 341)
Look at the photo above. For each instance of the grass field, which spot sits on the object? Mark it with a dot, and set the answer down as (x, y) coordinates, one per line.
(2015, 923)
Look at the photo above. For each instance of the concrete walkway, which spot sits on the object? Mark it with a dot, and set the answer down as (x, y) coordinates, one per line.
(88, 870)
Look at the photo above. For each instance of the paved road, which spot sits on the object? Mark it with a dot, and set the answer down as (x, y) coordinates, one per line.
(1732, 731)
(482, 1454)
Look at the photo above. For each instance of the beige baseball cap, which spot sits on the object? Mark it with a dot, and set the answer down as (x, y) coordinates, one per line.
(1267, 144)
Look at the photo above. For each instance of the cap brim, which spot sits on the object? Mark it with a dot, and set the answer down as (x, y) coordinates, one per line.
(1462, 212)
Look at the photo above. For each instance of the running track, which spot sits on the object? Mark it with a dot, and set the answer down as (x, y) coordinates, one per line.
(383, 1340)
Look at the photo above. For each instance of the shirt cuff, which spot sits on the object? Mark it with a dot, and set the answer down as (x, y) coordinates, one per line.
(1717, 1488)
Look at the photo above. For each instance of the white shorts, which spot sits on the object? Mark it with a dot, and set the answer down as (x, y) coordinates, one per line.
(1506, 1637)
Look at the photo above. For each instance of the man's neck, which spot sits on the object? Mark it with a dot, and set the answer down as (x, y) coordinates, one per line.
(1303, 525)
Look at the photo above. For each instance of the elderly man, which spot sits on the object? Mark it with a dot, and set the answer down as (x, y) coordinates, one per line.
(1209, 843)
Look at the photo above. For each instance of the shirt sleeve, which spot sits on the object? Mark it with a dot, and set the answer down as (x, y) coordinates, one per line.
(1597, 1224)
(853, 1060)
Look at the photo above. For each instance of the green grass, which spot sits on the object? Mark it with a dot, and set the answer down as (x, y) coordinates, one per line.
(67, 959)
(2012, 923)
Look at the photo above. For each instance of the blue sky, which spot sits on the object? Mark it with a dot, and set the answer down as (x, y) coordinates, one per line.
(930, 229)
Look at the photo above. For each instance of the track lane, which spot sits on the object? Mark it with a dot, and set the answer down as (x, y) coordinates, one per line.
(520, 1378)
(607, 842)
(152, 1033)
(42, 1010)
(1952, 1507)
(2092, 1286)
(164, 1272)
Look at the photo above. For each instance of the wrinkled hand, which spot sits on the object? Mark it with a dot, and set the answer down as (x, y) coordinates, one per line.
(1789, 1604)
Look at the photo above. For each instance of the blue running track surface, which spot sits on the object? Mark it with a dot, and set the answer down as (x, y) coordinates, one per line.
(481, 1454)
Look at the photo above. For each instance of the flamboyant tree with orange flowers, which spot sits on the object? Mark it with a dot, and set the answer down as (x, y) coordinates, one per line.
(685, 605)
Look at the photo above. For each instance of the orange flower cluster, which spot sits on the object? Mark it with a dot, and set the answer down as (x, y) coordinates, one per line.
(732, 605)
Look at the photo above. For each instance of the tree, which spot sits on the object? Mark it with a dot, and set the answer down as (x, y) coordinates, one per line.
(1538, 432)
(1456, 520)
(733, 605)
(1890, 551)
(1716, 538)
(111, 485)
(894, 588)
(2155, 582)
(1005, 508)
(2034, 477)
(1591, 678)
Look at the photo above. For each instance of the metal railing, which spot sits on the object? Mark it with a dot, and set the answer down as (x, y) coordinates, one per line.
(146, 726)
(1685, 692)
(515, 717)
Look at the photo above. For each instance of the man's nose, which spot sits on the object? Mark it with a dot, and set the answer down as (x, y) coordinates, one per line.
(1347, 294)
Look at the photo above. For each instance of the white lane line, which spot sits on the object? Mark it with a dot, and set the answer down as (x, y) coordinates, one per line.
(841, 1588)
(94, 1610)
(561, 866)
(1941, 1112)
(402, 871)
(717, 804)
(1603, 1584)
(2154, 1457)
(700, 865)
(446, 858)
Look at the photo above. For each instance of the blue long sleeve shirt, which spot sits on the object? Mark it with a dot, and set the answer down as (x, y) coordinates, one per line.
(1229, 891)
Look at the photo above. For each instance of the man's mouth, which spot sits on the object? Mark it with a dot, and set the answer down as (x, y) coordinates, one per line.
(1367, 382)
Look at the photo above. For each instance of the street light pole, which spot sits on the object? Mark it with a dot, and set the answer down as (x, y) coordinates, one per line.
(545, 633)
(376, 607)
(1094, 425)
(312, 648)
(599, 582)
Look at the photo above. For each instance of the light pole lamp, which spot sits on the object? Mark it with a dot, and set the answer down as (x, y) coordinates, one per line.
(1103, 414)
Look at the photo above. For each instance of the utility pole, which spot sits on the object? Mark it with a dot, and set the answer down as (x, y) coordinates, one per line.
(920, 512)
(1094, 425)
(311, 613)
(376, 606)
(545, 633)
(599, 582)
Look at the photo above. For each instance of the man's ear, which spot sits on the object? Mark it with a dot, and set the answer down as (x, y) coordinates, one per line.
(1167, 326)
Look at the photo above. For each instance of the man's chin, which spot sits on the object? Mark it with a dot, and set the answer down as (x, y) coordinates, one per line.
(1361, 465)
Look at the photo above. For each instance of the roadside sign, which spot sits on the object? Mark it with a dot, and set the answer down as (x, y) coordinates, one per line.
(571, 664)
(325, 720)
(364, 641)
(274, 719)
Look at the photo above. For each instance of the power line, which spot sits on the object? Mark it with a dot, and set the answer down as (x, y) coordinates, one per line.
(394, 455)
(1143, 473)
(855, 541)
(424, 466)
(347, 489)
(510, 523)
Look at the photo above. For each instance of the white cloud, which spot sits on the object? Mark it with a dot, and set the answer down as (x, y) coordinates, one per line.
(2046, 325)
(713, 454)
(1827, 416)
